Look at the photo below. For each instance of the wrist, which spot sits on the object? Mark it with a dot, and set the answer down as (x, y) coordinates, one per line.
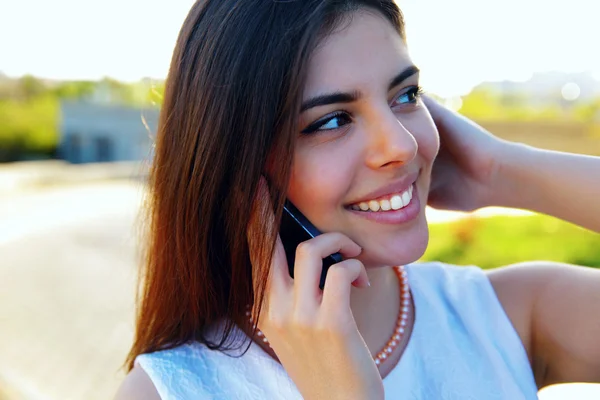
(509, 184)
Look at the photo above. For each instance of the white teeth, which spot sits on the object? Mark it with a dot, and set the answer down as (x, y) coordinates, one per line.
(406, 198)
(397, 202)
(385, 205)
(374, 205)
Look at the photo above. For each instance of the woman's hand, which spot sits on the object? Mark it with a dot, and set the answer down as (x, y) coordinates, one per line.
(467, 165)
(313, 332)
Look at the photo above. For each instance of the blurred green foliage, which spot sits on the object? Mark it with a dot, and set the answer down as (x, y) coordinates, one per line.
(501, 240)
(487, 103)
(28, 126)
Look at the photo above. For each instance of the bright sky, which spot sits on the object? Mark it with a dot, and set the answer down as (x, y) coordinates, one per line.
(456, 43)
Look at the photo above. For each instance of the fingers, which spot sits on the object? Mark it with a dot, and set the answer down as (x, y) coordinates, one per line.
(282, 293)
(336, 294)
(309, 262)
(429, 102)
(437, 110)
(446, 118)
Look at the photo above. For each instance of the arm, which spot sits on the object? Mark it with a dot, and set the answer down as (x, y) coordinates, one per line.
(555, 309)
(563, 185)
(560, 327)
(561, 330)
(476, 169)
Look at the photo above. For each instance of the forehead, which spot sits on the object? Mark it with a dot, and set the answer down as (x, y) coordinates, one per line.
(366, 51)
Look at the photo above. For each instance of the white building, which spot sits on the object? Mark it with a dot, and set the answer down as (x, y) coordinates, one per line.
(96, 132)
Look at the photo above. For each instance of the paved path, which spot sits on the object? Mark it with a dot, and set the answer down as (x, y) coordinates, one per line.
(67, 273)
(66, 290)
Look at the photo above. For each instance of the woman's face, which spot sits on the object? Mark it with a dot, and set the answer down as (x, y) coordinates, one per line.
(364, 142)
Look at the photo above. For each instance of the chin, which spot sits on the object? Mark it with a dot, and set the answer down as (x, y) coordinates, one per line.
(401, 249)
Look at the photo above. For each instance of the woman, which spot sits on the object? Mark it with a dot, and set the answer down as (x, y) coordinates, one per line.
(318, 101)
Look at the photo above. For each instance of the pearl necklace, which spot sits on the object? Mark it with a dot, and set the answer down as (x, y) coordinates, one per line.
(399, 330)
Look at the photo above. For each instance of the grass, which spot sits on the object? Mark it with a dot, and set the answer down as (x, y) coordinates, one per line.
(501, 240)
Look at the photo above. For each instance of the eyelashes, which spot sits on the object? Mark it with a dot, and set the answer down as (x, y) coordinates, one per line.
(327, 123)
(412, 94)
(341, 118)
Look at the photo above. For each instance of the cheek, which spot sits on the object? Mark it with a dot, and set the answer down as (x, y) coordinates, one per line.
(319, 181)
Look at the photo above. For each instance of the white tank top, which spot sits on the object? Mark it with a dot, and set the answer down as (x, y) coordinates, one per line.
(463, 347)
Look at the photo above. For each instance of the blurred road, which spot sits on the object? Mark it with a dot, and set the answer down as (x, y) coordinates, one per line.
(67, 275)
(67, 259)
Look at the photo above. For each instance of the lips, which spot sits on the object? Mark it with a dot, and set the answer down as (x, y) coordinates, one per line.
(387, 192)
(406, 214)
(392, 202)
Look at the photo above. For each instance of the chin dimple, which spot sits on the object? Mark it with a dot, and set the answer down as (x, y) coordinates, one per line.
(394, 202)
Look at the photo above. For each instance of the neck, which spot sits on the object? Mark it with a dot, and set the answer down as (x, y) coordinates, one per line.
(376, 308)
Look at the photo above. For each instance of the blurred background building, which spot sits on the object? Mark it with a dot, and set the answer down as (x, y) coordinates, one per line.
(95, 132)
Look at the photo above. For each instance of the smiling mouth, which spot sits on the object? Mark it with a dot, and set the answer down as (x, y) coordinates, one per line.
(391, 202)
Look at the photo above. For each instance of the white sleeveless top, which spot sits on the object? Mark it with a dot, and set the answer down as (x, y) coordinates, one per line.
(463, 347)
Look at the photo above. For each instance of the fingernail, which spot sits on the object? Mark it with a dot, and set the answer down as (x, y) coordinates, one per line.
(369, 283)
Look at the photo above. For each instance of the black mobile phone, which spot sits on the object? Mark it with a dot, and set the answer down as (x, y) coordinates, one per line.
(296, 228)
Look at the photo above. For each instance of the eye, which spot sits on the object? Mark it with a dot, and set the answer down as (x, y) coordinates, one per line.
(328, 123)
(410, 96)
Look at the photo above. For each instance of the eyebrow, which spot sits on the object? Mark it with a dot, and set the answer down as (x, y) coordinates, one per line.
(345, 97)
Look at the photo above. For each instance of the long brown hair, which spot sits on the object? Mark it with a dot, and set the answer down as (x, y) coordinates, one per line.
(231, 106)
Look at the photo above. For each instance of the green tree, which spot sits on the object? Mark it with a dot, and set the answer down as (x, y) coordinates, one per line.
(29, 87)
(74, 90)
(482, 104)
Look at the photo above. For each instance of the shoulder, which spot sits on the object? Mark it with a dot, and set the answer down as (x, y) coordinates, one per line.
(519, 287)
(137, 385)
(548, 302)
(466, 289)
(511, 290)
(451, 280)
(521, 283)
(192, 371)
(181, 372)
(158, 375)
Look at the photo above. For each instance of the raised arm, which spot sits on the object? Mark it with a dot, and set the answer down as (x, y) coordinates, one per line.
(563, 185)
(554, 307)
(476, 169)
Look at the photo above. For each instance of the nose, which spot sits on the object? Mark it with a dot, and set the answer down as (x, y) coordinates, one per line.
(390, 143)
